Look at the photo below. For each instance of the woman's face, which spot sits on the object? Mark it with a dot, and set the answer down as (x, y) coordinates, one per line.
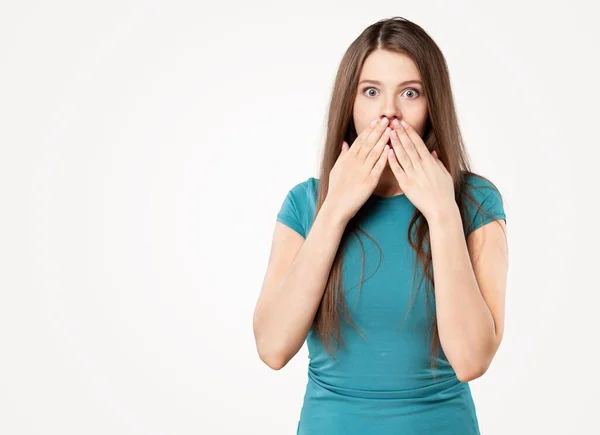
(390, 86)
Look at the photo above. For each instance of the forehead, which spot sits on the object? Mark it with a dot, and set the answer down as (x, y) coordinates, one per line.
(388, 66)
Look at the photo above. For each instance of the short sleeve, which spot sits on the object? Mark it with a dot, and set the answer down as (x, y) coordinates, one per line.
(297, 204)
(489, 206)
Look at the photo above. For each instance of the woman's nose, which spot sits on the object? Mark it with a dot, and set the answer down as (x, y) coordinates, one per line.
(390, 111)
(391, 117)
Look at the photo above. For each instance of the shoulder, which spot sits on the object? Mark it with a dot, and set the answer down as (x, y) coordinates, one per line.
(477, 189)
(481, 201)
(298, 208)
(478, 185)
(306, 188)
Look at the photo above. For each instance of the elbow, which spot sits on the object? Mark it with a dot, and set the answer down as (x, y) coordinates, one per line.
(274, 362)
(469, 376)
(472, 372)
(271, 351)
(272, 357)
(472, 367)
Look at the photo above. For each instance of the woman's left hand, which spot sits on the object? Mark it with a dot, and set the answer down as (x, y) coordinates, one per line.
(421, 175)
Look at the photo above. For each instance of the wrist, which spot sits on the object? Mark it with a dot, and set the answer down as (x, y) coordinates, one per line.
(444, 215)
(332, 214)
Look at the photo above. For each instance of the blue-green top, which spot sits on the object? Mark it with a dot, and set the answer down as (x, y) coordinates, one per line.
(382, 383)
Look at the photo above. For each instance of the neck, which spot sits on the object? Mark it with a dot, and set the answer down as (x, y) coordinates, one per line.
(388, 185)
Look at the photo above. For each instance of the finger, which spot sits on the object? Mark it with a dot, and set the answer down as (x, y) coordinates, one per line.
(345, 148)
(409, 146)
(442, 166)
(375, 152)
(439, 162)
(416, 140)
(380, 164)
(400, 152)
(436, 158)
(375, 135)
(397, 170)
(362, 137)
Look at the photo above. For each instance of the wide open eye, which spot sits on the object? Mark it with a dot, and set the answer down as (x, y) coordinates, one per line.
(413, 91)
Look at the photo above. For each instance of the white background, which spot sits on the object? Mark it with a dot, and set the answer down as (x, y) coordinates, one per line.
(146, 148)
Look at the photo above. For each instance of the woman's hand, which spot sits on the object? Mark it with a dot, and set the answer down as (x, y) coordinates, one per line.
(357, 170)
(421, 174)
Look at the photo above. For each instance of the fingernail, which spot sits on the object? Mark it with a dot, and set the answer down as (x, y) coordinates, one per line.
(404, 123)
(384, 121)
(372, 124)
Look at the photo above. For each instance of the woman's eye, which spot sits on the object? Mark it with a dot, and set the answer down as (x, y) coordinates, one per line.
(411, 93)
(367, 89)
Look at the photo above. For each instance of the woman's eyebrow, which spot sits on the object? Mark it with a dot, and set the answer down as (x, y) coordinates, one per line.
(376, 82)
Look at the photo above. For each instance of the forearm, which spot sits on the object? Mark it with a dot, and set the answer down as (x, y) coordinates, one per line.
(286, 317)
(465, 323)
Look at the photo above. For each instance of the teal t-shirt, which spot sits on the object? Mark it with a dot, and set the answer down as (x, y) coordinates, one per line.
(382, 383)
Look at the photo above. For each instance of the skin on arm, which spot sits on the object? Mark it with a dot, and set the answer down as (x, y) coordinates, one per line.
(467, 296)
(298, 269)
(470, 289)
(293, 286)
(488, 251)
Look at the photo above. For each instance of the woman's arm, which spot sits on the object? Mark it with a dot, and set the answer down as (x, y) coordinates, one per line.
(293, 286)
(470, 285)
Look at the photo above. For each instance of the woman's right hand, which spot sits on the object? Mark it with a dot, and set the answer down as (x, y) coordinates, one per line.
(357, 170)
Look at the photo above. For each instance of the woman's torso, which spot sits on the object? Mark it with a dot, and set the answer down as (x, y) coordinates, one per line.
(382, 382)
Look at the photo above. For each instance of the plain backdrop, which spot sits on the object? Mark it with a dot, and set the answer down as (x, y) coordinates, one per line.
(147, 146)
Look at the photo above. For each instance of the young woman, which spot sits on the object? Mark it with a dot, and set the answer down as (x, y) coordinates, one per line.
(392, 264)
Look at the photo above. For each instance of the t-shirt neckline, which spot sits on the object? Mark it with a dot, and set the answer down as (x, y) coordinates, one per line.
(388, 198)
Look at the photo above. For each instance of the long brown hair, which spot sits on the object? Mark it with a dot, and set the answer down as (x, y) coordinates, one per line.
(441, 134)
